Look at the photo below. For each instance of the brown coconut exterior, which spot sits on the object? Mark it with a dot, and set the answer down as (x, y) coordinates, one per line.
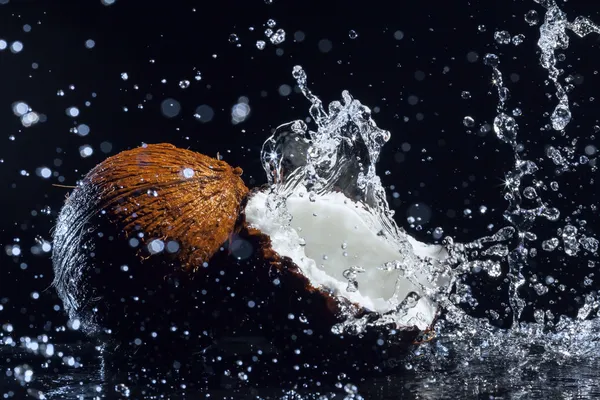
(145, 189)
(104, 272)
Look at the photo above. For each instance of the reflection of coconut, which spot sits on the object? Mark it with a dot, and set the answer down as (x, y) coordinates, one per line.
(163, 213)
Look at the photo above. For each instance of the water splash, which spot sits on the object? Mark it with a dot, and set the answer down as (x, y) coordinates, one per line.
(553, 338)
(341, 156)
(553, 36)
(582, 26)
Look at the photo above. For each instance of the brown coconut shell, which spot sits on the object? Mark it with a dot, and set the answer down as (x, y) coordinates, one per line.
(100, 243)
(146, 189)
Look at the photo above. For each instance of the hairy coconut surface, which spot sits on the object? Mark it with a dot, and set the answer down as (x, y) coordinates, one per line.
(197, 198)
(155, 199)
(331, 234)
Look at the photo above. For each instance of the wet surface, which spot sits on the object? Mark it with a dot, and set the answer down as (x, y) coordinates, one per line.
(493, 375)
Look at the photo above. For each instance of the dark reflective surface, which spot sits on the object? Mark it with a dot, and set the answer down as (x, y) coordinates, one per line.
(97, 375)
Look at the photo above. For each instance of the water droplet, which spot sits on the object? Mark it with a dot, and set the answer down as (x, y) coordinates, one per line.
(502, 37)
(170, 108)
(561, 117)
(589, 244)
(539, 316)
(16, 46)
(518, 39)
(532, 17)
(123, 390)
(278, 37)
(505, 127)
(540, 289)
(23, 373)
(468, 121)
(491, 60)
(529, 193)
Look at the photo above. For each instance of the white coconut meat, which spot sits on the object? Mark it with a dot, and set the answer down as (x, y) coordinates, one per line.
(333, 233)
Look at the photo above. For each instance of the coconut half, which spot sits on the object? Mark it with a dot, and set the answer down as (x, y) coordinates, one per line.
(330, 234)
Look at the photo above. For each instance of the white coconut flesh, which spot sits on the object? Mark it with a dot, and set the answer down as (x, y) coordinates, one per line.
(332, 234)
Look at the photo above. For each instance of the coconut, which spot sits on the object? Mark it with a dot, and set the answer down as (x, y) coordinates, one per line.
(161, 241)
(141, 219)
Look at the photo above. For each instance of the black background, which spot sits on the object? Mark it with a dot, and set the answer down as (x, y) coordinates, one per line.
(184, 37)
